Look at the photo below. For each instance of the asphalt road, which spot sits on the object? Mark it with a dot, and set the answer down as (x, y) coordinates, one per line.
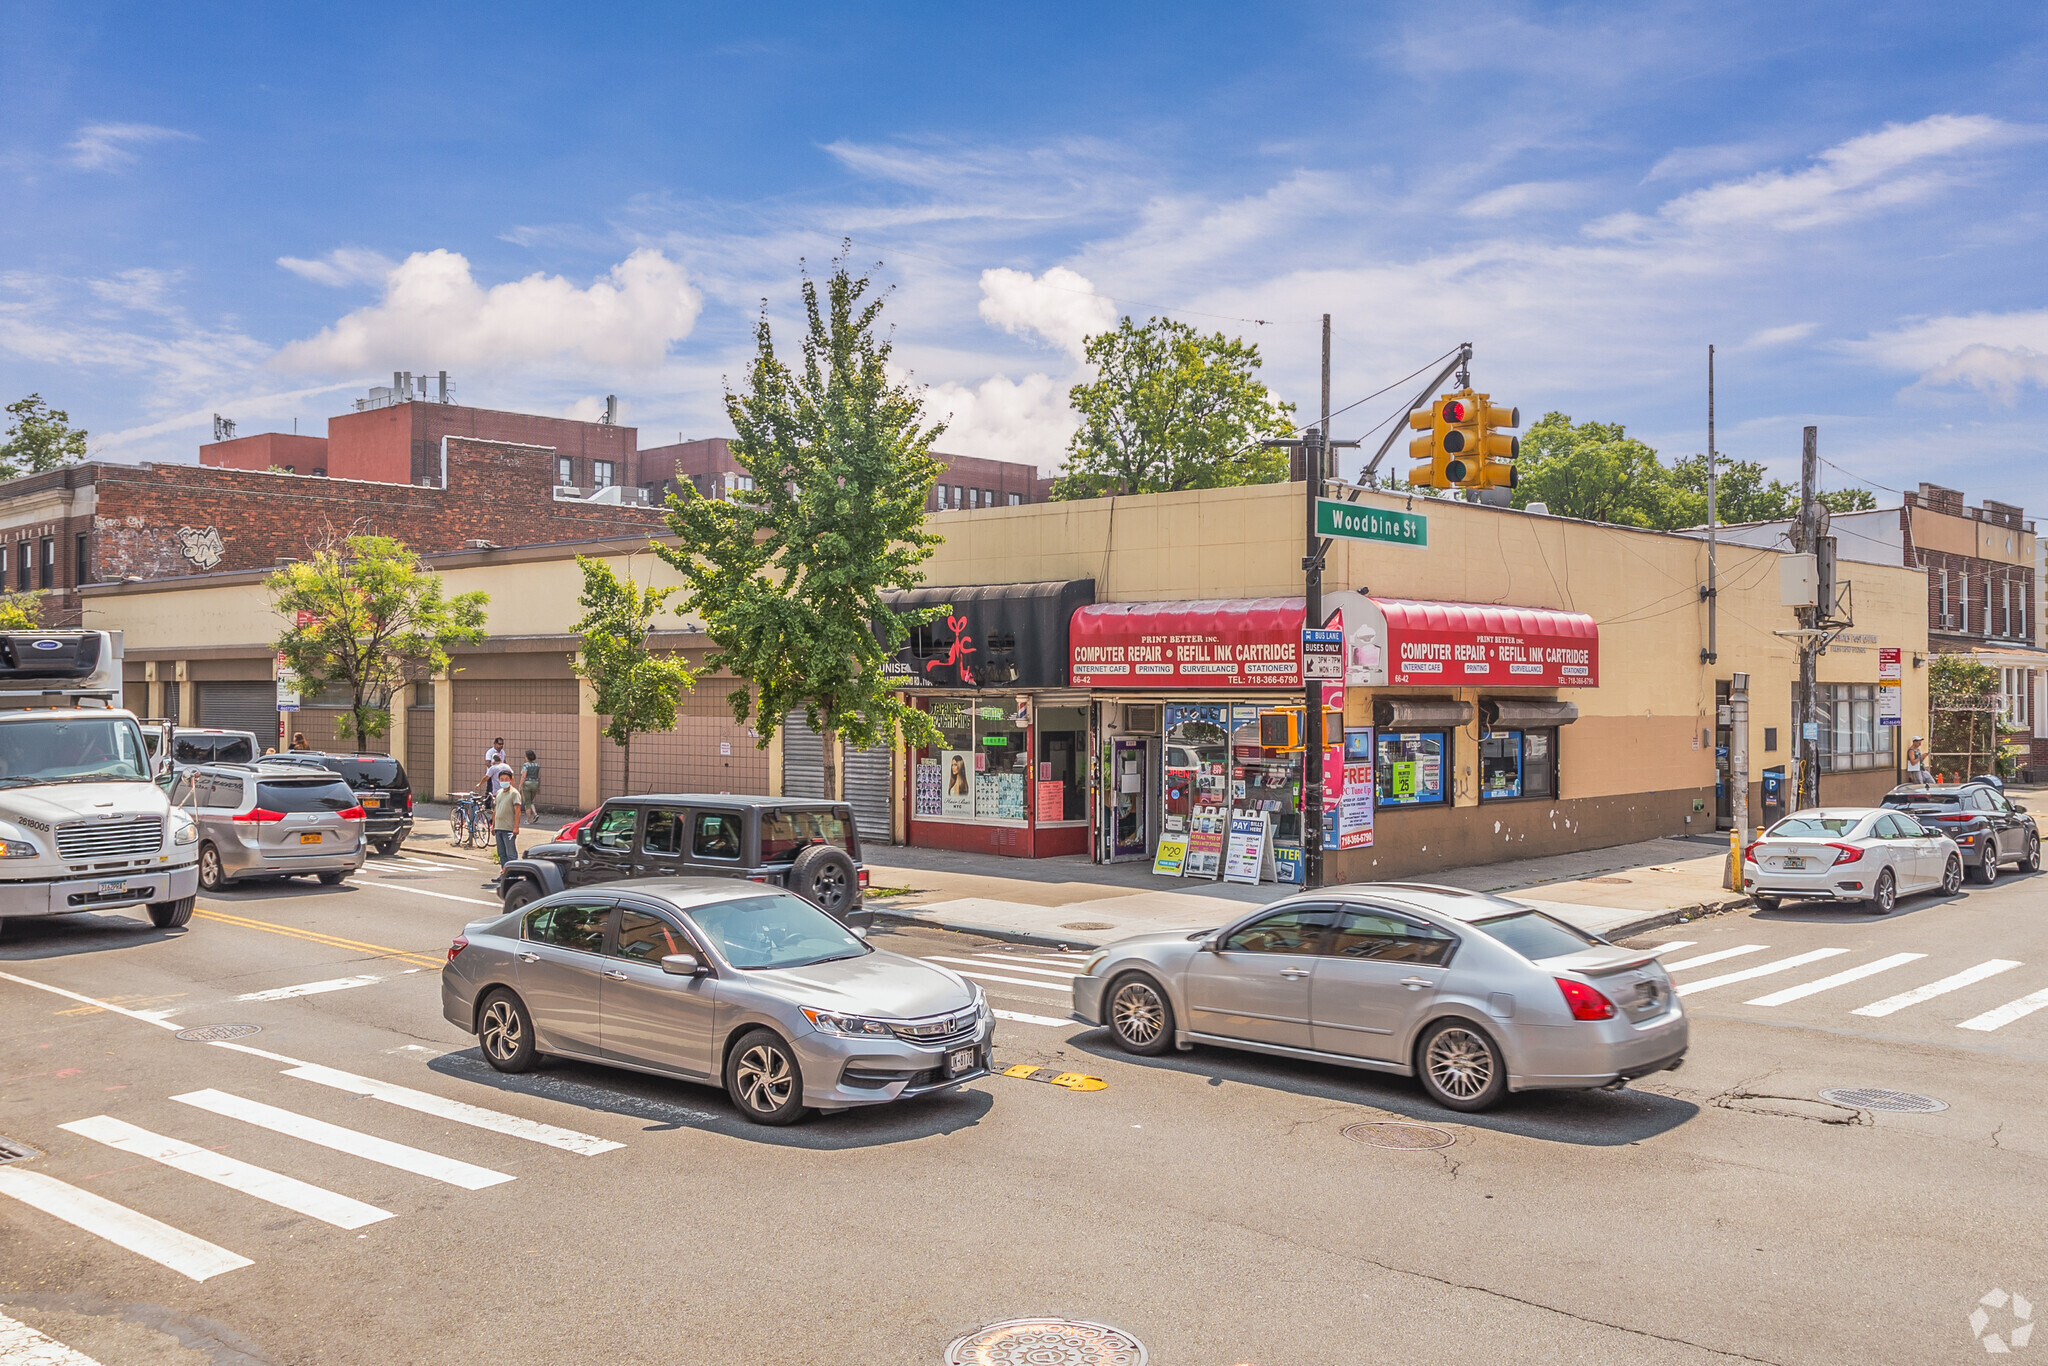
(1208, 1203)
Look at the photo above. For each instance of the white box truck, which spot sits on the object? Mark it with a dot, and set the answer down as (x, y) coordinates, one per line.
(84, 824)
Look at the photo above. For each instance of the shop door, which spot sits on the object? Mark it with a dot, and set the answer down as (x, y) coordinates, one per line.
(803, 759)
(1128, 800)
(867, 792)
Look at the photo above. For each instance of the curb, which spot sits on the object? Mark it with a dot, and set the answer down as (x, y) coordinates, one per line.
(1026, 937)
(1665, 919)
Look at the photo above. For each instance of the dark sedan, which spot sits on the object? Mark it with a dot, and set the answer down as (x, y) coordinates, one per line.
(1987, 827)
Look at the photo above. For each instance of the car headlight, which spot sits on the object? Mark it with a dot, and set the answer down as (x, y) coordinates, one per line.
(185, 831)
(981, 1005)
(18, 849)
(851, 1026)
(1094, 962)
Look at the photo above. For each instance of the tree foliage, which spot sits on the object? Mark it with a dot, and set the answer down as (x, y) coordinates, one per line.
(1171, 409)
(1962, 697)
(20, 611)
(373, 619)
(39, 438)
(636, 688)
(789, 582)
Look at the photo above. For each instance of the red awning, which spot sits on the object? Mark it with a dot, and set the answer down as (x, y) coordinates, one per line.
(1469, 644)
(1222, 643)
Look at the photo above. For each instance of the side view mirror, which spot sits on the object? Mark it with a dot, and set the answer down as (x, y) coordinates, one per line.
(1213, 944)
(857, 931)
(583, 837)
(682, 965)
(2021, 809)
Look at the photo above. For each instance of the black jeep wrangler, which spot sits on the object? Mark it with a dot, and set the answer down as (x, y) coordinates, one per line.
(807, 846)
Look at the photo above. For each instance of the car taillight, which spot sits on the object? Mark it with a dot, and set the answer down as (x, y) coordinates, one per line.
(408, 799)
(457, 947)
(863, 879)
(1846, 853)
(1586, 1003)
(354, 813)
(1749, 854)
(258, 816)
(1956, 819)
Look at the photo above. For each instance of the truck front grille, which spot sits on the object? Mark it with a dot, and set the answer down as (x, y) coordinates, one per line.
(84, 840)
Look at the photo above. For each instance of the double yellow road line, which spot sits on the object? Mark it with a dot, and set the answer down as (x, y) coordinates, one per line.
(330, 940)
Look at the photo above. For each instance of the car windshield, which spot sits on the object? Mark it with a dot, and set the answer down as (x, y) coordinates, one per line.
(1923, 799)
(1813, 827)
(72, 750)
(774, 931)
(1535, 935)
(213, 749)
(784, 832)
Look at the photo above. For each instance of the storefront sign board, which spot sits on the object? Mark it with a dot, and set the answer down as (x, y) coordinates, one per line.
(1396, 642)
(1363, 522)
(1241, 643)
(1890, 688)
(1246, 857)
(1354, 811)
(1205, 847)
(1173, 852)
(1287, 863)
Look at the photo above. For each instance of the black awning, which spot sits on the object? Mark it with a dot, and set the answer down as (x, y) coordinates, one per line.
(1420, 712)
(1000, 635)
(1509, 712)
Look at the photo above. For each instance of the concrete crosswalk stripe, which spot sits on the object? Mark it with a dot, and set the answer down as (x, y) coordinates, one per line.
(1797, 960)
(21, 1345)
(438, 896)
(2007, 1013)
(461, 1112)
(1011, 981)
(1703, 959)
(1819, 984)
(1021, 1018)
(1991, 967)
(231, 1172)
(138, 1233)
(985, 965)
(1673, 946)
(309, 989)
(366, 1146)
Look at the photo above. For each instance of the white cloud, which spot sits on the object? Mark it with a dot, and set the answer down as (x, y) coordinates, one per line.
(433, 308)
(106, 146)
(1994, 353)
(1531, 196)
(342, 266)
(1777, 336)
(1060, 306)
(1025, 420)
(1691, 163)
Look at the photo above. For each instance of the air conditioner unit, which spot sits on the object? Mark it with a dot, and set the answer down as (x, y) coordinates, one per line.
(1141, 720)
(1946, 621)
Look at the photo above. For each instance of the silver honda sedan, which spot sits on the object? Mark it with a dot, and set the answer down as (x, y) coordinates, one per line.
(716, 981)
(1477, 995)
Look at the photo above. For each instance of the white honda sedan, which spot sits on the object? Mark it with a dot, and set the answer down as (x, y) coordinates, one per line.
(1872, 855)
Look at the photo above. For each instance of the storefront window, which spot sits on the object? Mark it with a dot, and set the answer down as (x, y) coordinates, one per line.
(1062, 763)
(1518, 763)
(1005, 760)
(1410, 767)
(1197, 759)
(978, 769)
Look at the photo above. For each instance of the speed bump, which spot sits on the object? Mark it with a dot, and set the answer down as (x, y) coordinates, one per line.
(1073, 1081)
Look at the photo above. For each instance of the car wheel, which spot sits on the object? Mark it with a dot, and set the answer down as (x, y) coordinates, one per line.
(388, 847)
(212, 877)
(1987, 866)
(825, 877)
(764, 1080)
(2031, 863)
(330, 879)
(1460, 1066)
(168, 915)
(1952, 875)
(1140, 1016)
(505, 1031)
(1885, 894)
(521, 893)
(1768, 903)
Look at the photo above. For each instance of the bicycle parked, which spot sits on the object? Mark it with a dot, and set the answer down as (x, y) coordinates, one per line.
(469, 822)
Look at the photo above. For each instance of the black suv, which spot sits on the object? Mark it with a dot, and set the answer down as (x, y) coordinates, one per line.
(379, 781)
(1986, 826)
(809, 847)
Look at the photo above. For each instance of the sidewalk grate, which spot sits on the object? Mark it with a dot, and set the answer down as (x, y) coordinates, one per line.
(14, 1150)
(1046, 1342)
(218, 1033)
(1877, 1098)
(1394, 1133)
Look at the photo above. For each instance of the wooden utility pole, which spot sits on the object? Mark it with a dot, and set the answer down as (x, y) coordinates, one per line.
(1809, 620)
(1314, 457)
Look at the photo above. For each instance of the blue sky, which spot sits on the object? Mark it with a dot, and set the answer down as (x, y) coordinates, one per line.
(262, 210)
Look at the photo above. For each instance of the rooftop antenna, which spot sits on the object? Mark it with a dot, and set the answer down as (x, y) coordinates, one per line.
(223, 428)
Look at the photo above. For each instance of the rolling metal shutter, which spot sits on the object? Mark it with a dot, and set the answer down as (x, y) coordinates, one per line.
(241, 706)
(803, 758)
(867, 792)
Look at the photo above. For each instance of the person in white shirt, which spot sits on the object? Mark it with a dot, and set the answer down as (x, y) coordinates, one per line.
(496, 753)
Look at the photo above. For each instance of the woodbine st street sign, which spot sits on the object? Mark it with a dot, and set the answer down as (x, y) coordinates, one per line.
(1362, 522)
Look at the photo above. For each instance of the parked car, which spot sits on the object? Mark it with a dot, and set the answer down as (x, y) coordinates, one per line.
(809, 847)
(1476, 995)
(380, 782)
(716, 981)
(271, 820)
(1986, 826)
(567, 834)
(1872, 855)
(192, 746)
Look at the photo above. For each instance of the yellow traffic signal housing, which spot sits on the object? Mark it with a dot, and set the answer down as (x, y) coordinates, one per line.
(1280, 728)
(1423, 448)
(1460, 443)
(1461, 446)
(1497, 449)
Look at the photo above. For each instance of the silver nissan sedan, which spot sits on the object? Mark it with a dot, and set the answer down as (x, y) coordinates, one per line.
(716, 981)
(1477, 995)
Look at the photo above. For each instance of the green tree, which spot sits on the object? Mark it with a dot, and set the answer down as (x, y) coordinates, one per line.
(372, 619)
(1847, 500)
(1171, 409)
(1745, 493)
(20, 611)
(1592, 470)
(39, 438)
(789, 584)
(636, 688)
(1962, 696)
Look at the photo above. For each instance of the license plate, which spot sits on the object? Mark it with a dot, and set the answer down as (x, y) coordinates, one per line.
(372, 802)
(310, 837)
(960, 1060)
(1792, 863)
(114, 884)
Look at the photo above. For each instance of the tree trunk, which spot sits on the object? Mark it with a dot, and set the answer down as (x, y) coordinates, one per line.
(831, 748)
(626, 778)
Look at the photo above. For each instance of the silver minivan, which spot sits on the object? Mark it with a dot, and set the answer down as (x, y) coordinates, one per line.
(271, 820)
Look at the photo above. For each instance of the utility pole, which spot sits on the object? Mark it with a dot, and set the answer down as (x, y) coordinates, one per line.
(1809, 622)
(1712, 591)
(1314, 458)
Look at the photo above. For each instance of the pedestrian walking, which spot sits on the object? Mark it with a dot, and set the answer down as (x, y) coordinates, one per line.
(529, 783)
(496, 753)
(1916, 761)
(505, 811)
(299, 744)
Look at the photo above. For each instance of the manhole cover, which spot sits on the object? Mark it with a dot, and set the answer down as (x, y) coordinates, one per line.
(1877, 1098)
(14, 1150)
(216, 1033)
(1046, 1342)
(1089, 925)
(1389, 1133)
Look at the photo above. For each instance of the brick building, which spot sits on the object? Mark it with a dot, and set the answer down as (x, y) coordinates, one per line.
(969, 481)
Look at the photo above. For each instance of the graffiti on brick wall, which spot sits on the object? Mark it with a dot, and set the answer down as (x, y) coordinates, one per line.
(202, 548)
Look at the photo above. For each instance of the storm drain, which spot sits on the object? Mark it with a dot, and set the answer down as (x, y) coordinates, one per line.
(219, 1033)
(1877, 1098)
(1392, 1133)
(1046, 1342)
(14, 1150)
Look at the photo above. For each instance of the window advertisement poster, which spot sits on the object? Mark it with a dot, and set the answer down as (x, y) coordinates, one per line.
(1354, 809)
(930, 781)
(1246, 856)
(1890, 688)
(1287, 863)
(958, 796)
(1172, 855)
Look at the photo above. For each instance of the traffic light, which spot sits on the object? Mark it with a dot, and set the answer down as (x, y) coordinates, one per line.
(1497, 449)
(1444, 420)
(1422, 449)
(1460, 441)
